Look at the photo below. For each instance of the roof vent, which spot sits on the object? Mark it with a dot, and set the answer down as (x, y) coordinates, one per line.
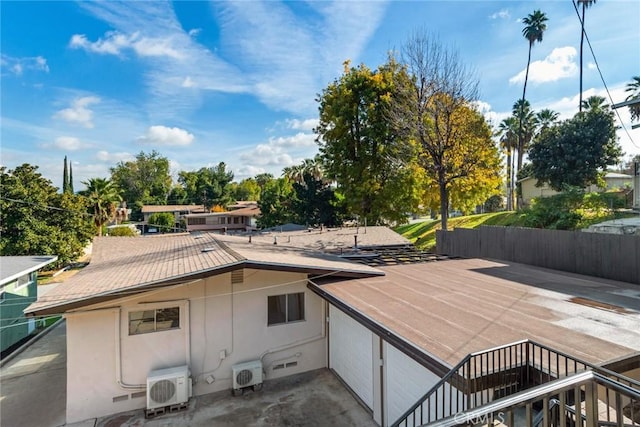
(208, 249)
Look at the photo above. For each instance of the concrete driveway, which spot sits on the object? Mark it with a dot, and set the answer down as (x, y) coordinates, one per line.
(33, 394)
(33, 385)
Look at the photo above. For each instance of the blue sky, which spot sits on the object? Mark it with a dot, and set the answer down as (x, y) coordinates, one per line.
(204, 82)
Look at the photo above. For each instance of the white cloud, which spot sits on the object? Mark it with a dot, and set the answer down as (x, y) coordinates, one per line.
(70, 143)
(307, 124)
(501, 14)
(592, 66)
(194, 32)
(18, 66)
(106, 156)
(78, 113)
(115, 42)
(558, 65)
(166, 136)
(188, 82)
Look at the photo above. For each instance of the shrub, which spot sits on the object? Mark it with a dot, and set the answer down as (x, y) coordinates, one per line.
(164, 221)
(122, 231)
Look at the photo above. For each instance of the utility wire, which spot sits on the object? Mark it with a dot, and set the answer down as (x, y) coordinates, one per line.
(575, 6)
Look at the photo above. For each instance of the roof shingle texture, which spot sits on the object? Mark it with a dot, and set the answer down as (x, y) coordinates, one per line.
(121, 263)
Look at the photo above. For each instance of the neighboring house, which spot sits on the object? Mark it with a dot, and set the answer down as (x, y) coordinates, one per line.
(530, 190)
(241, 204)
(209, 301)
(636, 186)
(242, 219)
(18, 289)
(178, 211)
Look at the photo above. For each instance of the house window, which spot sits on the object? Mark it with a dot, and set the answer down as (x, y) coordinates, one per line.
(285, 308)
(159, 319)
(196, 221)
(236, 220)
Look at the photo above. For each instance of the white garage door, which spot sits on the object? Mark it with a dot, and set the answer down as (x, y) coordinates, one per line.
(351, 353)
(405, 381)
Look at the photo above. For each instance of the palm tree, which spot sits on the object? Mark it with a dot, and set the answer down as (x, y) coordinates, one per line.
(585, 6)
(594, 103)
(634, 88)
(103, 197)
(545, 119)
(534, 29)
(508, 132)
(526, 127)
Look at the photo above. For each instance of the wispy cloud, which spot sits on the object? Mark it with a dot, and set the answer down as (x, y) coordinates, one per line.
(166, 136)
(306, 125)
(106, 156)
(18, 66)
(501, 14)
(79, 113)
(115, 43)
(282, 58)
(558, 65)
(68, 143)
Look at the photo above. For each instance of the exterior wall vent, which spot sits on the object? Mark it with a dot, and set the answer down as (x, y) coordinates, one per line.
(237, 276)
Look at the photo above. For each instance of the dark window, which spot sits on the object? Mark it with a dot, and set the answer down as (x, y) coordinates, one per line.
(160, 319)
(196, 221)
(285, 308)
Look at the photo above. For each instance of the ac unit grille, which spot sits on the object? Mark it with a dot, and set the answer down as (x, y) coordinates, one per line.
(162, 391)
(244, 377)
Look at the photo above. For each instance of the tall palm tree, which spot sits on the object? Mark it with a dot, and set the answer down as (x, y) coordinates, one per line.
(585, 6)
(634, 88)
(594, 103)
(545, 119)
(526, 127)
(508, 132)
(534, 29)
(103, 197)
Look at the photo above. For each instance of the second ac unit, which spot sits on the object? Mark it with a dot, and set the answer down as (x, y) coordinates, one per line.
(167, 387)
(248, 374)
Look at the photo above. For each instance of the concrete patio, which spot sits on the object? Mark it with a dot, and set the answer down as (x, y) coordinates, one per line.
(33, 393)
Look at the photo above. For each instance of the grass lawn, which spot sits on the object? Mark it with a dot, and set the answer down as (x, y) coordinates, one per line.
(423, 234)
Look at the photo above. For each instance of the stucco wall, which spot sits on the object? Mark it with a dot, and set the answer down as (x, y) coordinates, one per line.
(215, 316)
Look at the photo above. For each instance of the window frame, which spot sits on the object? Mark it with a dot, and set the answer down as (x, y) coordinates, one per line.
(155, 309)
(287, 321)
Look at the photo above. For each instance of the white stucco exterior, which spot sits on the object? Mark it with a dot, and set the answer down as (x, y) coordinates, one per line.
(107, 368)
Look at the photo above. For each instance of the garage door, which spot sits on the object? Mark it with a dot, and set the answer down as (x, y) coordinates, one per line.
(351, 353)
(405, 382)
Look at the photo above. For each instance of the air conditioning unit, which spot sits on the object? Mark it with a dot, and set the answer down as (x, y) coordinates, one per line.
(165, 387)
(248, 374)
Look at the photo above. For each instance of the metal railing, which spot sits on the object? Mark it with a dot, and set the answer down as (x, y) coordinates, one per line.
(557, 405)
(485, 376)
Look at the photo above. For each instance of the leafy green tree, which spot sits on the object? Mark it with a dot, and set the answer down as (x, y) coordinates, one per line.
(247, 189)
(360, 148)
(164, 221)
(103, 197)
(576, 151)
(461, 163)
(276, 203)
(143, 181)
(315, 202)
(208, 186)
(36, 220)
(545, 119)
(585, 5)
(634, 88)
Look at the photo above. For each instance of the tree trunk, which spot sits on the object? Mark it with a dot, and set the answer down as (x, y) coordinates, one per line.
(444, 200)
(520, 142)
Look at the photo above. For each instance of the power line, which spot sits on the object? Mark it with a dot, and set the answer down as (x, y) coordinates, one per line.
(575, 7)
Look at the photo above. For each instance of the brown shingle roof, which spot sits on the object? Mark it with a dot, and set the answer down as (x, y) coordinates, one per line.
(134, 264)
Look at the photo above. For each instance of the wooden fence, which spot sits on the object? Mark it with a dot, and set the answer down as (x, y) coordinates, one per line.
(611, 256)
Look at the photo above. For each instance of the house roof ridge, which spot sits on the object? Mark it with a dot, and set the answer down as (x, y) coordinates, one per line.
(230, 251)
